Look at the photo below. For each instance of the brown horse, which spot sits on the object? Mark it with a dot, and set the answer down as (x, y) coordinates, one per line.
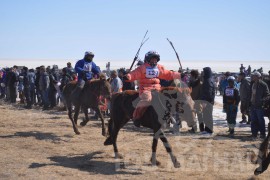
(89, 98)
(164, 103)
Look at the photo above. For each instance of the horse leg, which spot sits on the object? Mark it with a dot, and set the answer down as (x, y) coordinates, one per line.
(111, 140)
(169, 149)
(154, 150)
(76, 113)
(74, 125)
(104, 132)
(85, 110)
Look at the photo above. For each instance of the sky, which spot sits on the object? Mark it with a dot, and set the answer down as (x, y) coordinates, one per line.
(201, 30)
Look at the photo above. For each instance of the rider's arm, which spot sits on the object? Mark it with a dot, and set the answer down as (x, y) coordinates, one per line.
(136, 74)
(166, 74)
(78, 66)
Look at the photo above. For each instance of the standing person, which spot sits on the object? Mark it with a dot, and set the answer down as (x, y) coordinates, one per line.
(12, 84)
(65, 79)
(26, 84)
(116, 83)
(196, 90)
(70, 70)
(149, 74)
(224, 82)
(126, 85)
(38, 91)
(231, 100)
(244, 97)
(2, 83)
(259, 90)
(21, 88)
(54, 79)
(6, 81)
(44, 83)
(32, 79)
(208, 98)
(86, 70)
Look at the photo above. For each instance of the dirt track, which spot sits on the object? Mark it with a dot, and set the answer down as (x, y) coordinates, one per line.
(42, 145)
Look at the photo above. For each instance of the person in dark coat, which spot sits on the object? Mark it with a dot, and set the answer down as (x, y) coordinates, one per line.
(12, 84)
(244, 97)
(65, 78)
(44, 82)
(37, 90)
(231, 100)
(54, 79)
(126, 85)
(208, 98)
(259, 91)
(29, 86)
(195, 84)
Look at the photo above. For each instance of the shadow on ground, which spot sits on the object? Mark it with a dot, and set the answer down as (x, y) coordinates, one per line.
(38, 135)
(91, 163)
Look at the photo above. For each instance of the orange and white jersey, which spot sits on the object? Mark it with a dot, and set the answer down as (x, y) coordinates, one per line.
(149, 76)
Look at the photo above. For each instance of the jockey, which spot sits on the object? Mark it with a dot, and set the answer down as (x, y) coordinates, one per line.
(148, 74)
(86, 70)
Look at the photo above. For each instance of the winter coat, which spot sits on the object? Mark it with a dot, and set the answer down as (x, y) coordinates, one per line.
(196, 87)
(149, 76)
(87, 69)
(262, 92)
(208, 87)
(44, 81)
(245, 91)
(231, 96)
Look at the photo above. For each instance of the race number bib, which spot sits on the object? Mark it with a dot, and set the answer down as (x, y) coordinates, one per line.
(87, 67)
(229, 92)
(151, 72)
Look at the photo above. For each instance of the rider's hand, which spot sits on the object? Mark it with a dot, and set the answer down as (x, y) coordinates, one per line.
(125, 78)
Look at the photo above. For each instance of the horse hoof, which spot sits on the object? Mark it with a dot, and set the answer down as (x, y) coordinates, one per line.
(177, 164)
(108, 142)
(118, 156)
(83, 123)
(77, 131)
(156, 163)
(104, 133)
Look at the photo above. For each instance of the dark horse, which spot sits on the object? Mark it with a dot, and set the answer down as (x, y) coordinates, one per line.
(89, 98)
(264, 156)
(164, 103)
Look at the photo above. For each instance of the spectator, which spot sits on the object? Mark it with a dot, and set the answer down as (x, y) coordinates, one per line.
(259, 90)
(208, 97)
(231, 100)
(116, 83)
(38, 92)
(196, 90)
(244, 97)
(12, 84)
(54, 79)
(126, 85)
(44, 83)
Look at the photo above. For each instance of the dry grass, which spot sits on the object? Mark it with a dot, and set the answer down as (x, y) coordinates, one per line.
(42, 145)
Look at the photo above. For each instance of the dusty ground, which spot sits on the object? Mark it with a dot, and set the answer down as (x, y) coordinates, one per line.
(42, 145)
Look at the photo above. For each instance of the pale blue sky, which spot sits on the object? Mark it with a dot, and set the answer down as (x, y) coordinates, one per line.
(113, 29)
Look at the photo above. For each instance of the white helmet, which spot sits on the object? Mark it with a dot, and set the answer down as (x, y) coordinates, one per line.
(230, 78)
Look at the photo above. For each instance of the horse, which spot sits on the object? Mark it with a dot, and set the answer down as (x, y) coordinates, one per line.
(263, 158)
(164, 103)
(89, 98)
